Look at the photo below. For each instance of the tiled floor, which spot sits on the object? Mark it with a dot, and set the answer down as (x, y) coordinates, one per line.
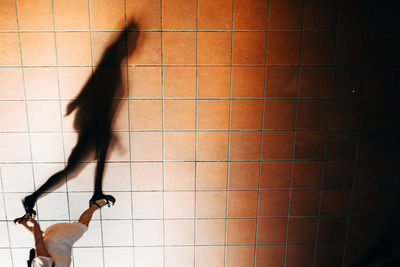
(250, 132)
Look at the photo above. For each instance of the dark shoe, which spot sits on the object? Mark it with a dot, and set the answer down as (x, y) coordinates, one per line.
(109, 199)
(25, 217)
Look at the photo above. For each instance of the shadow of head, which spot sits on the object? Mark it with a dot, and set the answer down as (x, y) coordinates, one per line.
(97, 103)
(123, 46)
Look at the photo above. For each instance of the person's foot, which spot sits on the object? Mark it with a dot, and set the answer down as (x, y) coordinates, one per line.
(109, 199)
(101, 203)
(23, 220)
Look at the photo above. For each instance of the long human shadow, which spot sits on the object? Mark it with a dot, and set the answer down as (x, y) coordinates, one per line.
(95, 109)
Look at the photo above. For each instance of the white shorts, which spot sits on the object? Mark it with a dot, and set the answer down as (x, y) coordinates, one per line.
(58, 239)
(67, 233)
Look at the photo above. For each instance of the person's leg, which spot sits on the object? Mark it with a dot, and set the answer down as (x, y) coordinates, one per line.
(87, 215)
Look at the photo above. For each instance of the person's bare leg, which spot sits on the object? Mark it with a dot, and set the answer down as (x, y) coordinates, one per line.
(87, 215)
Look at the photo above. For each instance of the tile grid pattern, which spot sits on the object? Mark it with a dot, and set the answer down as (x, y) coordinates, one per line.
(129, 138)
(348, 217)
(95, 123)
(163, 137)
(294, 137)
(6, 219)
(196, 138)
(229, 140)
(326, 140)
(261, 139)
(197, 132)
(61, 121)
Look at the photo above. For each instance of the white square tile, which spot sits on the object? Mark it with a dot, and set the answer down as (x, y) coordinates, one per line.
(82, 179)
(117, 233)
(5, 257)
(17, 177)
(14, 147)
(4, 242)
(121, 257)
(20, 256)
(11, 76)
(122, 208)
(70, 140)
(179, 232)
(146, 146)
(19, 236)
(210, 232)
(44, 116)
(148, 232)
(14, 205)
(179, 256)
(210, 256)
(43, 171)
(179, 175)
(92, 237)
(88, 257)
(53, 206)
(179, 204)
(119, 149)
(78, 203)
(72, 79)
(147, 205)
(41, 83)
(149, 256)
(146, 176)
(117, 177)
(13, 116)
(47, 147)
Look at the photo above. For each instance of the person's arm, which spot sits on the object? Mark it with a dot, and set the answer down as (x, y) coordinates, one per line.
(41, 249)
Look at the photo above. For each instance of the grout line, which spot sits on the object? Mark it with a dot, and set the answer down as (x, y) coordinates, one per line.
(229, 139)
(26, 107)
(261, 138)
(6, 217)
(206, 130)
(129, 134)
(163, 30)
(162, 130)
(27, 119)
(61, 118)
(324, 159)
(218, 218)
(208, 98)
(159, 161)
(196, 137)
(206, 245)
(215, 190)
(203, 65)
(294, 134)
(94, 97)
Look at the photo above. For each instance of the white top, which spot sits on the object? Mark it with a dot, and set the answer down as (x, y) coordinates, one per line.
(58, 239)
